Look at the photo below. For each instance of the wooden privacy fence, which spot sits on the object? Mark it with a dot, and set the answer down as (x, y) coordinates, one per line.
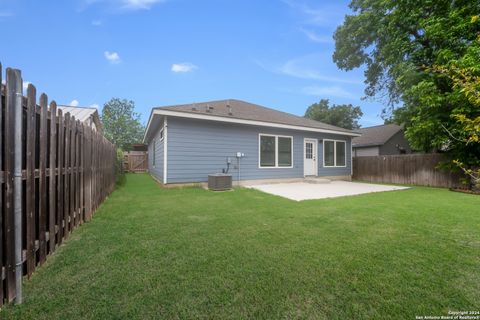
(135, 161)
(55, 172)
(413, 169)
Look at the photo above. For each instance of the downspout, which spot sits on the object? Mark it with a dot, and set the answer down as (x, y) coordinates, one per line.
(165, 149)
(17, 184)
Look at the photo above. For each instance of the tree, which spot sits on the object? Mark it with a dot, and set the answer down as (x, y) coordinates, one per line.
(344, 115)
(400, 42)
(465, 76)
(121, 124)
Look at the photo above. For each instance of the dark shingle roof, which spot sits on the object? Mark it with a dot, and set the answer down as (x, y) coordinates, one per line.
(238, 109)
(375, 136)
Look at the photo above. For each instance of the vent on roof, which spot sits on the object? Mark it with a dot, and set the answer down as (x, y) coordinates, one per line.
(208, 108)
(194, 107)
(229, 108)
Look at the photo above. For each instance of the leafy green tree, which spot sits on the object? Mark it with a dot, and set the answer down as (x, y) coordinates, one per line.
(344, 115)
(121, 124)
(400, 42)
(465, 76)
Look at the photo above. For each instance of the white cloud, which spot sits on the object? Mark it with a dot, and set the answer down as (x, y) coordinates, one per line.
(96, 106)
(74, 103)
(96, 23)
(113, 57)
(123, 5)
(139, 4)
(183, 67)
(5, 14)
(314, 16)
(299, 68)
(316, 37)
(25, 86)
(327, 91)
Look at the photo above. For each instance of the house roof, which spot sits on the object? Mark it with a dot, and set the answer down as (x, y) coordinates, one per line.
(376, 136)
(83, 114)
(238, 111)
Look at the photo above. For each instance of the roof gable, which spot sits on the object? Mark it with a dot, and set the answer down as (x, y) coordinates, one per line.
(84, 114)
(376, 136)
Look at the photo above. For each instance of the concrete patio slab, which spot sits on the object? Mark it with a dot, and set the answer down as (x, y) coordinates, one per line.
(299, 191)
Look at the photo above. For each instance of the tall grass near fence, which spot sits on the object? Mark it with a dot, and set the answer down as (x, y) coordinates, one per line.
(61, 174)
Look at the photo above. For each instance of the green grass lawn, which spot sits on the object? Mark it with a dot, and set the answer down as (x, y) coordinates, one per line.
(190, 253)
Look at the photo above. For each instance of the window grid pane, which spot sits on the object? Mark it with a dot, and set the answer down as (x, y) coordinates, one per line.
(340, 153)
(329, 155)
(267, 151)
(284, 152)
(309, 150)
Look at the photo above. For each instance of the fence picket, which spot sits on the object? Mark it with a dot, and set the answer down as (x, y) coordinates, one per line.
(413, 169)
(8, 176)
(61, 171)
(82, 173)
(66, 191)
(1, 190)
(53, 178)
(72, 173)
(30, 183)
(68, 170)
(42, 186)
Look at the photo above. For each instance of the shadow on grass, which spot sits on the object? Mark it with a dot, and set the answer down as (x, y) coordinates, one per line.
(120, 181)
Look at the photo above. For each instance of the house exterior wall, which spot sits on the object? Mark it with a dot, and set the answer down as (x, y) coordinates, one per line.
(366, 151)
(390, 147)
(156, 169)
(197, 148)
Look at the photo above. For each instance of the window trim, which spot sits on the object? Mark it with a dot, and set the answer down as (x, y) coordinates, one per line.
(334, 153)
(154, 153)
(276, 136)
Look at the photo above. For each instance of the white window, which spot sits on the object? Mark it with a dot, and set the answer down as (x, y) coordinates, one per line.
(275, 151)
(161, 135)
(334, 153)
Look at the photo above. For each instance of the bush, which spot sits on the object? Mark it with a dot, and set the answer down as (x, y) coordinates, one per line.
(119, 170)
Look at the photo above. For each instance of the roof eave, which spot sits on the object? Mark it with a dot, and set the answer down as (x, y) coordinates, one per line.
(241, 121)
(363, 145)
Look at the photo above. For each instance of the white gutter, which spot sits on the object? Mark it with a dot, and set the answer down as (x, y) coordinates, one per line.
(242, 121)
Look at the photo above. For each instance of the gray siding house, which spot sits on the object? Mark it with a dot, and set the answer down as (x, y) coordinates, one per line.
(381, 140)
(186, 143)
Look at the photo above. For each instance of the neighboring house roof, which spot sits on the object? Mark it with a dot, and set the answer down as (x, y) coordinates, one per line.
(237, 111)
(375, 136)
(87, 115)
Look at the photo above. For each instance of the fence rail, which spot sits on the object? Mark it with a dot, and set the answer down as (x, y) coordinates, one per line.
(413, 169)
(50, 182)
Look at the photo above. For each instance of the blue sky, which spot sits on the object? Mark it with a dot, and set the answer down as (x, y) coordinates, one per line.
(275, 53)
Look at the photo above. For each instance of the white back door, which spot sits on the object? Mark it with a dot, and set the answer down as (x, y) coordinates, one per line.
(310, 157)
